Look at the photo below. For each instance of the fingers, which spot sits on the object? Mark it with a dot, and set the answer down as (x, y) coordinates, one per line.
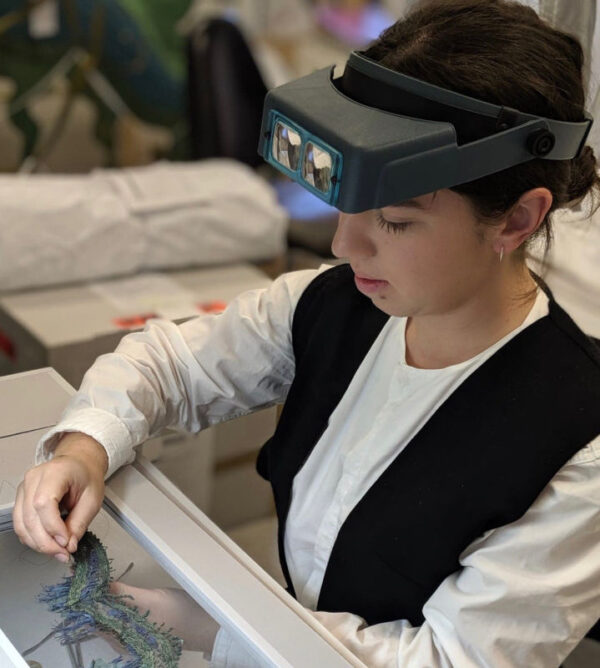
(36, 517)
(82, 514)
(175, 609)
(144, 599)
(18, 524)
(78, 484)
(118, 588)
(45, 501)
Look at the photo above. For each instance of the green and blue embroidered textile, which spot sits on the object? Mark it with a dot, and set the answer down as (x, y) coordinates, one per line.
(87, 607)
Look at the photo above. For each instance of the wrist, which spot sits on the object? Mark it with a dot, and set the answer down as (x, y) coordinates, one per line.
(84, 448)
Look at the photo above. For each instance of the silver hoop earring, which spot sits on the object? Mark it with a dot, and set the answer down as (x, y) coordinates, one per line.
(501, 253)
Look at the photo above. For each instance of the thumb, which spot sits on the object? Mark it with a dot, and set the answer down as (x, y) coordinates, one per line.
(82, 513)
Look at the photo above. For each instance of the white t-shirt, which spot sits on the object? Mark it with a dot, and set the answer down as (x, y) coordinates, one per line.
(384, 407)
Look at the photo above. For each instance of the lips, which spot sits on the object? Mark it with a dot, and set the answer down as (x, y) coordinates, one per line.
(368, 278)
(369, 285)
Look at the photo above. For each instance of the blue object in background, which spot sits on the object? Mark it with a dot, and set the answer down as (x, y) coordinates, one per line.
(130, 54)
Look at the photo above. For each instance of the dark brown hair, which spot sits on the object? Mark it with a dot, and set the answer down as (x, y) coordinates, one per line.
(502, 52)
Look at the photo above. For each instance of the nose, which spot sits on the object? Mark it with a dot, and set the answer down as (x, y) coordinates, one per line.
(351, 239)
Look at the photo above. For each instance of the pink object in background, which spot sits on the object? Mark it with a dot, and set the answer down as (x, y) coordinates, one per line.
(355, 27)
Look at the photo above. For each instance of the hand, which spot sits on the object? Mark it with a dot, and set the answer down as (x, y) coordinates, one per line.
(72, 480)
(176, 610)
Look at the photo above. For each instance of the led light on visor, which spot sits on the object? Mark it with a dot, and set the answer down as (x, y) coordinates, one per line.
(316, 167)
(286, 146)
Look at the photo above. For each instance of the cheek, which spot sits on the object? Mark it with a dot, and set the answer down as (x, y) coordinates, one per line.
(418, 258)
(413, 270)
(438, 270)
(457, 251)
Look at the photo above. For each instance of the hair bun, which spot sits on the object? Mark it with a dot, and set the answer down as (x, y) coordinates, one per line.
(584, 175)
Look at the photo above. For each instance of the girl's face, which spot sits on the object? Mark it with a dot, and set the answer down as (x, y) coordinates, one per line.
(425, 256)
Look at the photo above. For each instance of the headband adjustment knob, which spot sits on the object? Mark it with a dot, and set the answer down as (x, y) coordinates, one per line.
(540, 142)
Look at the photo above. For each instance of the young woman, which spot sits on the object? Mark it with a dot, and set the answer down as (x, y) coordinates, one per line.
(436, 468)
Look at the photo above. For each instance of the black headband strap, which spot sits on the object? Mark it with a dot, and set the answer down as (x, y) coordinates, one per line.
(361, 88)
(370, 83)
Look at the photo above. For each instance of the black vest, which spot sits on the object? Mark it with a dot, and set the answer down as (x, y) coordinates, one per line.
(478, 463)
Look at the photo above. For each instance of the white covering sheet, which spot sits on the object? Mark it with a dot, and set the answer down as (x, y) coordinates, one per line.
(62, 229)
(572, 266)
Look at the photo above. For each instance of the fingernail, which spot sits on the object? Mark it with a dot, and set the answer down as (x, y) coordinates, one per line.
(62, 558)
(72, 545)
(61, 540)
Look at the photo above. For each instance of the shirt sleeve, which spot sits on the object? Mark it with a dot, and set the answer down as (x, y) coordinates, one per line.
(189, 376)
(526, 594)
(229, 653)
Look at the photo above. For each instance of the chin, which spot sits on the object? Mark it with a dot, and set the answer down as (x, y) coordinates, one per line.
(387, 305)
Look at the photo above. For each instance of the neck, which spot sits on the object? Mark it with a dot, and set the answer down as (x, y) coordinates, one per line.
(438, 340)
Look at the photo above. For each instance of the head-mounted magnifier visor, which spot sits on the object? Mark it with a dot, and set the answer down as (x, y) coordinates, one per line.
(374, 137)
(304, 157)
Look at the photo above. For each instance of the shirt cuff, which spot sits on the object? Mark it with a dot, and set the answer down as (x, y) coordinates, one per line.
(228, 653)
(104, 427)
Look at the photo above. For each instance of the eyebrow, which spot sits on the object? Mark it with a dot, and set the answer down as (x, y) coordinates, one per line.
(412, 203)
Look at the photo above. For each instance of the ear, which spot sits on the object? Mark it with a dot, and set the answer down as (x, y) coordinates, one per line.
(523, 219)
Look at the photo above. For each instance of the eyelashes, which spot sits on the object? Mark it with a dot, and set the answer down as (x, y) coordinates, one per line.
(389, 225)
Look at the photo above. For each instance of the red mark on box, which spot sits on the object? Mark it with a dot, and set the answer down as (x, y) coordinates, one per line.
(133, 321)
(213, 307)
(7, 347)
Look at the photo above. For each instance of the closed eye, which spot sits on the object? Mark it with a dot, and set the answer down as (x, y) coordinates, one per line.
(389, 225)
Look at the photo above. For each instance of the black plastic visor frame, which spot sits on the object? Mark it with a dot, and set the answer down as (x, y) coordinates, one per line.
(399, 137)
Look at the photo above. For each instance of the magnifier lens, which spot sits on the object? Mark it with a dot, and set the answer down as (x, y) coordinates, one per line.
(286, 146)
(316, 167)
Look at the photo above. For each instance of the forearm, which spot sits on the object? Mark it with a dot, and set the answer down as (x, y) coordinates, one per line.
(525, 595)
(175, 609)
(190, 376)
(98, 428)
(82, 446)
(150, 382)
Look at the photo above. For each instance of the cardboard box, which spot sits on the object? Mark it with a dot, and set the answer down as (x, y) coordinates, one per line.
(68, 328)
(30, 403)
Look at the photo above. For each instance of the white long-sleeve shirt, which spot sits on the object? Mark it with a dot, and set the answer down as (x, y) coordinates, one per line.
(526, 592)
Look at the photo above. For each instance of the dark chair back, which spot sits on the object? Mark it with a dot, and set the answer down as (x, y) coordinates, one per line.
(225, 93)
